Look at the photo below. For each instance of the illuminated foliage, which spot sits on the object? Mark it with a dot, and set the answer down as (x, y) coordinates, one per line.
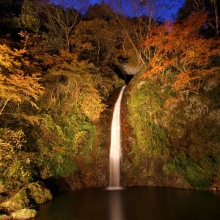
(15, 85)
(182, 47)
(71, 105)
(174, 105)
(19, 93)
(15, 169)
(91, 41)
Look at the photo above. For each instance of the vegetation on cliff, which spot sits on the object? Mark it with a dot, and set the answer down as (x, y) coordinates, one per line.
(173, 105)
(58, 69)
(51, 99)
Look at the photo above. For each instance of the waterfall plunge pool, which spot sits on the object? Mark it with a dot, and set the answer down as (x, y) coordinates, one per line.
(135, 203)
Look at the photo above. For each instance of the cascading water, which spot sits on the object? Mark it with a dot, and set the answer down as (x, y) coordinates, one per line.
(115, 147)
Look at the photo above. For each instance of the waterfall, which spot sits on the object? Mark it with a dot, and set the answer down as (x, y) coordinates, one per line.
(115, 147)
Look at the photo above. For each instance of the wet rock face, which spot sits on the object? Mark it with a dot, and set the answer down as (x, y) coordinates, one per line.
(90, 179)
(150, 171)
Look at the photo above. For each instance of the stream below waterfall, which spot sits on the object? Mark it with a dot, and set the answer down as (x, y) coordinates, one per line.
(135, 203)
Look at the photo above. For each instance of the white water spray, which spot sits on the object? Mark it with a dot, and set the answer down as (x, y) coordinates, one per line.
(115, 147)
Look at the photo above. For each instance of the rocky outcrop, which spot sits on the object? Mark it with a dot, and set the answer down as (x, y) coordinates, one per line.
(19, 201)
(172, 140)
(17, 206)
(151, 171)
(129, 69)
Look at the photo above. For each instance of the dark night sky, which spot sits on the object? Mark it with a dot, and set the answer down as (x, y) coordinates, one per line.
(166, 9)
(166, 12)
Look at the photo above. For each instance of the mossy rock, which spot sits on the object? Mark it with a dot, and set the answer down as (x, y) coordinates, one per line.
(18, 201)
(38, 192)
(24, 214)
(34, 192)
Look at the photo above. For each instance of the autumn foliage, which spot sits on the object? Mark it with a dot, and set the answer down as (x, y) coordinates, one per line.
(181, 48)
(16, 86)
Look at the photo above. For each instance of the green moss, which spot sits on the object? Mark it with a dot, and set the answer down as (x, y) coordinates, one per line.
(64, 140)
(199, 173)
(145, 106)
(199, 163)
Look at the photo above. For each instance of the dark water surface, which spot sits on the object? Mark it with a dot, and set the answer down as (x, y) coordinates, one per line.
(136, 203)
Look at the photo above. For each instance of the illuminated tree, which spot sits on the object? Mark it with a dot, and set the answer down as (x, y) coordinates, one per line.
(16, 86)
(71, 105)
(180, 47)
(15, 168)
(134, 19)
(95, 41)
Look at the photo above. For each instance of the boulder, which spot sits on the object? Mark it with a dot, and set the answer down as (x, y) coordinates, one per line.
(24, 214)
(37, 192)
(19, 201)
(34, 193)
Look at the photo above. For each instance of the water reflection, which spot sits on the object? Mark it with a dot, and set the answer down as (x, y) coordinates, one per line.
(138, 203)
(115, 206)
